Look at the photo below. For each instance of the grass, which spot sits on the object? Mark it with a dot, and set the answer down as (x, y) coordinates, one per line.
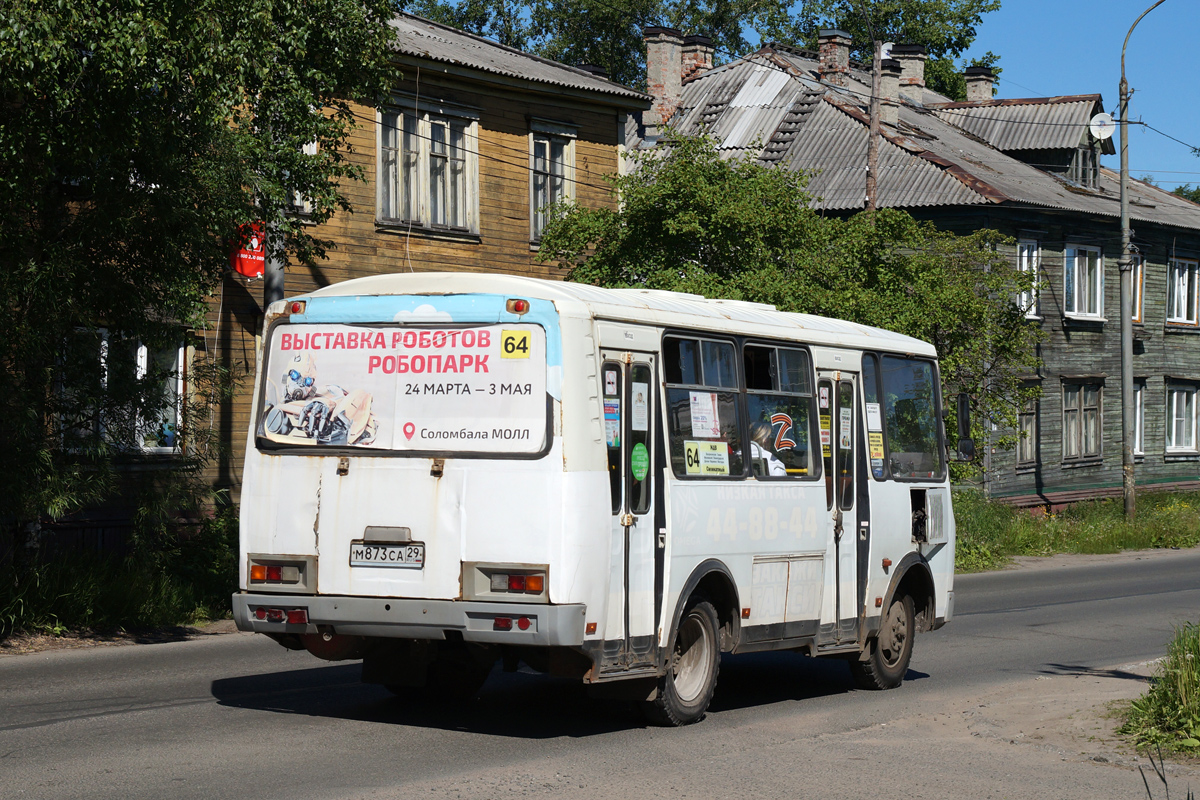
(991, 533)
(190, 580)
(1167, 717)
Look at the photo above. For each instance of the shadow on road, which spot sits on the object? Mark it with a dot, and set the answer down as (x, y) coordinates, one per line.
(1080, 670)
(525, 705)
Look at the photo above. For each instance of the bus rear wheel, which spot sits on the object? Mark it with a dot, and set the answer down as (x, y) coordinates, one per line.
(890, 651)
(686, 689)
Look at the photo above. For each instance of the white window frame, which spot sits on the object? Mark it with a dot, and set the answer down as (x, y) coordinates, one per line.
(1139, 418)
(407, 171)
(1074, 450)
(1075, 282)
(300, 204)
(1139, 287)
(1027, 429)
(1181, 418)
(1183, 284)
(1029, 260)
(141, 363)
(543, 132)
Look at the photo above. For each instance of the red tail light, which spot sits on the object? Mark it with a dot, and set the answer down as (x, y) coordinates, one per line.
(275, 615)
(260, 613)
(274, 573)
(523, 623)
(516, 583)
(297, 616)
(502, 624)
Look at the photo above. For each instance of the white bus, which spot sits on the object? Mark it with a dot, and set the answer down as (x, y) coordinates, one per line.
(447, 470)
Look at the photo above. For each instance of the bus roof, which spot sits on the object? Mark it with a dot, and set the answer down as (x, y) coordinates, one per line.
(649, 306)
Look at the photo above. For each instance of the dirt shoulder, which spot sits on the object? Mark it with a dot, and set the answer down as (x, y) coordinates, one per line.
(23, 643)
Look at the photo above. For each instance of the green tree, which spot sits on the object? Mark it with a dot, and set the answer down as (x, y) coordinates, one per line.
(136, 136)
(945, 27)
(692, 221)
(608, 33)
(1188, 192)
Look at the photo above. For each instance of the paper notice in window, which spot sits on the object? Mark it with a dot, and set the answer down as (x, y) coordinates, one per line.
(705, 424)
(641, 406)
(874, 420)
(706, 458)
(847, 418)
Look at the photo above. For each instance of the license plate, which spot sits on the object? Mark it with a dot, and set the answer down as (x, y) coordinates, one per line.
(406, 555)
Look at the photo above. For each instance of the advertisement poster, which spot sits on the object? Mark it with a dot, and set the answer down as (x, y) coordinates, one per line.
(705, 423)
(847, 426)
(612, 421)
(406, 388)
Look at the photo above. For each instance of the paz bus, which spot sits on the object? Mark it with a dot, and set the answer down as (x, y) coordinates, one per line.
(446, 471)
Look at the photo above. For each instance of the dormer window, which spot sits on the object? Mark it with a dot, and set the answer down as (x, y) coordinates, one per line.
(1085, 166)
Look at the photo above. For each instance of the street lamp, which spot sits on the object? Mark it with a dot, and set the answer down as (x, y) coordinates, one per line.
(1126, 264)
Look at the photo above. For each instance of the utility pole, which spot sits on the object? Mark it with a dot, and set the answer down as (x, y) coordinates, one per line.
(273, 266)
(873, 134)
(1128, 423)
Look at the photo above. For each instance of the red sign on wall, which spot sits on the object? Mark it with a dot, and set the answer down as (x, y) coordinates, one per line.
(249, 254)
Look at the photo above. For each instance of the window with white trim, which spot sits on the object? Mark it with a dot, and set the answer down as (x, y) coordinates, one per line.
(1081, 421)
(1028, 258)
(429, 170)
(1139, 285)
(1181, 418)
(301, 204)
(1181, 292)
(129, 413)
(551, 172)
(1139, 418)
(1083, 281)
(1027, 447)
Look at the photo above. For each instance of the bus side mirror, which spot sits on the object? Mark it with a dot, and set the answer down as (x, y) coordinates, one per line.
(966, 447)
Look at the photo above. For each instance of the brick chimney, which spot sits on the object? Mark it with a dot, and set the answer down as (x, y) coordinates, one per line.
(980, 81)
(664, 73)
(912, 64)
(697, 57)
(890, 71)
(834, 47)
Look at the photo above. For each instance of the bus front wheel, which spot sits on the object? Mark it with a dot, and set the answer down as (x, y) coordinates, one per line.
(889, 652)
(687, 687)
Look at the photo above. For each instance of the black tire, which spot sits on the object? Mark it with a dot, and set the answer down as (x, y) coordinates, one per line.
(889, 652)
(686, 689)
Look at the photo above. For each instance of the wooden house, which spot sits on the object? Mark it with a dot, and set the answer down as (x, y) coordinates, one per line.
(477, 141)
(1029, 168)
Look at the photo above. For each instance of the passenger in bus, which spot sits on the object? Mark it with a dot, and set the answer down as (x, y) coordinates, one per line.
(762, 455)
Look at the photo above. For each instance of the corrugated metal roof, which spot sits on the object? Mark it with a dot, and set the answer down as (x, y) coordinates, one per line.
(833, 146)
(420, 37)
(929, 159)
(1057, 123)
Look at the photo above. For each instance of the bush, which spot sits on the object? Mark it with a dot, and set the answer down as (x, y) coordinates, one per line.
(990, 533)
(1168, 715)
(189, 580)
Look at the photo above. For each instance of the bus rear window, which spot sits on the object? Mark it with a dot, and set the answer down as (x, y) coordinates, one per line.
(478, 389)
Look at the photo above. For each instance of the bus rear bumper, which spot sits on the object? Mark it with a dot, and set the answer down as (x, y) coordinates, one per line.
(519, 623)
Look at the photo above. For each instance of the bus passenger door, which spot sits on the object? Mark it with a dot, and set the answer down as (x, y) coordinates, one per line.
(836, 406)
(630, 405)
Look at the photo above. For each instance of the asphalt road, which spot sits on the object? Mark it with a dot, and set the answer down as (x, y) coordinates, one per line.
(237, 716)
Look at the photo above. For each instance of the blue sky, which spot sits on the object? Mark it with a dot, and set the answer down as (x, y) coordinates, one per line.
(1055, 47)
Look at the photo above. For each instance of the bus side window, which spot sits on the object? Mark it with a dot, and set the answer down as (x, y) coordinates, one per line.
(611, 376)
(703, 433)
(779, 400)
(876, 446)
